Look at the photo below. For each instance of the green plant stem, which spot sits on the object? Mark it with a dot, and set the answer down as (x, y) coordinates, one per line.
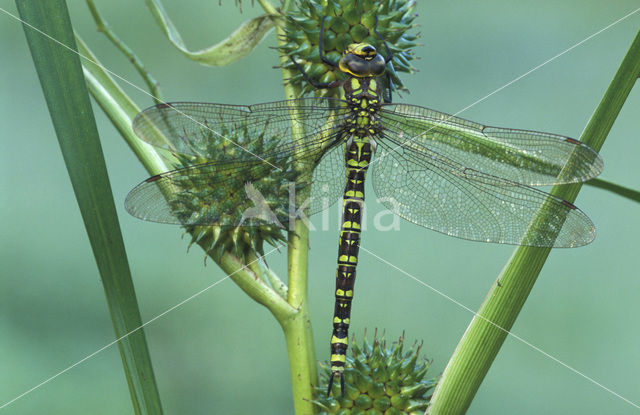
(270, 277)
(118, 107)
(297, 330)
(104, 27)
(267, 6)
(275, 281)
(253, 286)
(481, 342)
(253, 262)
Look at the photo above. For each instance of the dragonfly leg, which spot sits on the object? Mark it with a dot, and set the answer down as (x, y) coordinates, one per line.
(318, 85)
(387, 59)
(388, 99)
(341, 376)
(389, 56)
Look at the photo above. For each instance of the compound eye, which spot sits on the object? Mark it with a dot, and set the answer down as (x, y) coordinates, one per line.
(369, 49)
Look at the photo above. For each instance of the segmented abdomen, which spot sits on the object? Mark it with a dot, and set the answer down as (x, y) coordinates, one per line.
(358, 157)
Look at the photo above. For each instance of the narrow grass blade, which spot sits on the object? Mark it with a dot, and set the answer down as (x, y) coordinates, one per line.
(64, 88)
(623, 191)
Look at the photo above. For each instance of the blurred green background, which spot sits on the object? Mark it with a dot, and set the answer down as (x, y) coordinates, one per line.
(221, 353)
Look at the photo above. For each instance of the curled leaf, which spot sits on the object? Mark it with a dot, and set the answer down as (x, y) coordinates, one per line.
(237, 45)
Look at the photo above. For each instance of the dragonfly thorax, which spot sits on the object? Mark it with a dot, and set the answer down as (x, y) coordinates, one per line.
(364, 98)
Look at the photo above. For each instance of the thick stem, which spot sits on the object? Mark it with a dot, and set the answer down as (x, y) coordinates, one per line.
(297, 330)
(267, 6)
(481, 342)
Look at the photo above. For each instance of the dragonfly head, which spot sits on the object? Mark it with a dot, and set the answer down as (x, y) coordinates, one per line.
(362, 60)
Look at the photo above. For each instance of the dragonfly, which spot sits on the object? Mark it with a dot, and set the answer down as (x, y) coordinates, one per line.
(439, 171)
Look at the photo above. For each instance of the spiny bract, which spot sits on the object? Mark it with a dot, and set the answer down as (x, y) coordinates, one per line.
(380, 380)
(346, 22)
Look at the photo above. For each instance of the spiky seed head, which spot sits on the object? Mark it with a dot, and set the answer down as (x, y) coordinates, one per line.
(203, 195)
(348, 22)
(379, 379)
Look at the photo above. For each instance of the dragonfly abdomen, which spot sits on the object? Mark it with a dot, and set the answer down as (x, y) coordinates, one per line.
(357, 159)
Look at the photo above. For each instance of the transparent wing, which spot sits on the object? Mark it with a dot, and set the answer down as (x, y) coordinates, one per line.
(527, 157)
(248, 193)
(204, 129)
(453, 199)
(329, 179)
(281, 145)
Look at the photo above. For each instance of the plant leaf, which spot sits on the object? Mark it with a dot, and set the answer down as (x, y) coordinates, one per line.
(237, 45)
(62, 82)
(622, 191)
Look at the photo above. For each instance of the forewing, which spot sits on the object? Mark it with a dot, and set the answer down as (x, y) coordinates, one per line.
(259, 155)
(445, 196)
(203, 129)
(527, 157)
